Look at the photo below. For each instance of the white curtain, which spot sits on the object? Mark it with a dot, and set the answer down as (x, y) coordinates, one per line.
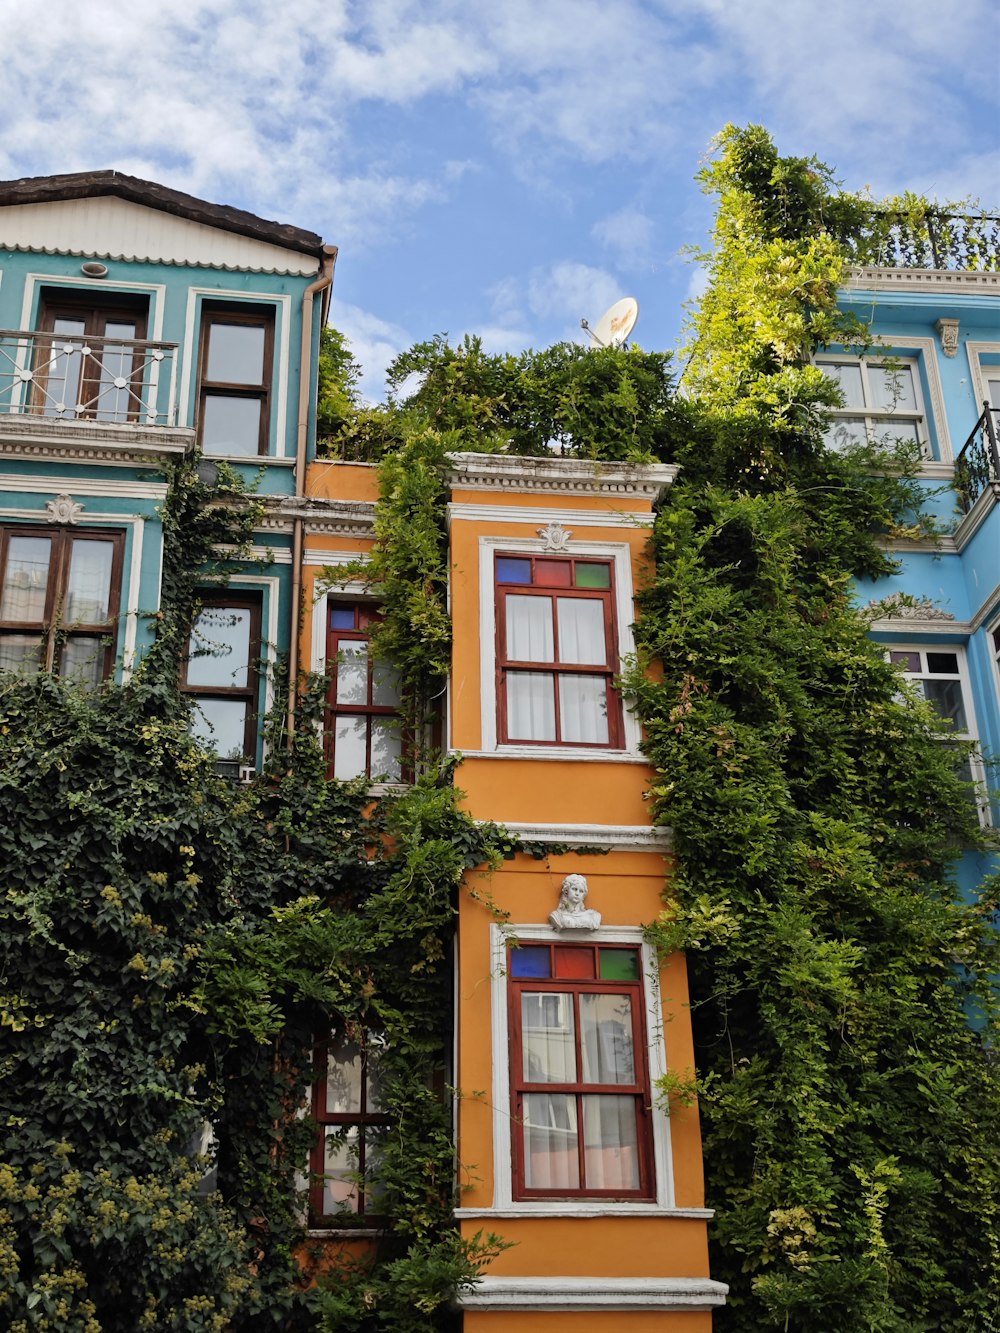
(581, 631)
(551, 1152)
(26, 578)
(529, 629)
(610, 1143)
(531, 706)
(583, 709)
(606, 1038)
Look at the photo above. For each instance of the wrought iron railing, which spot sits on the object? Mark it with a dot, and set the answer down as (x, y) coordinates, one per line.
(72, 377)
(929, 239)
(978, 462)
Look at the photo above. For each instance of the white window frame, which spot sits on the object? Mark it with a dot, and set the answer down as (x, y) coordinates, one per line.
(872, 417)
(501, 937)
(971, 732)
(620, 556)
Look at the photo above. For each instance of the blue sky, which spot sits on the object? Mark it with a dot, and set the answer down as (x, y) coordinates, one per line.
(504, 168)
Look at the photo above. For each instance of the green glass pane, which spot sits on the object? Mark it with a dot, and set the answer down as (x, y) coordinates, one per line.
(619, 965)
(593, 576)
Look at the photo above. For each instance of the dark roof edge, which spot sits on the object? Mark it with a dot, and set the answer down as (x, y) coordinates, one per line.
(94, 184)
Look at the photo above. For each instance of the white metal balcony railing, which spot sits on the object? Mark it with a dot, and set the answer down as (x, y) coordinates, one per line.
(79, 377)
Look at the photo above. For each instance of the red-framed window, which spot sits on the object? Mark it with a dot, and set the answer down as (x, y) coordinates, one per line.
(557, 652)
(580, 1092)
(363, 735)
(220, 675)
(60, 590)
(347, 1107)
(235, 369)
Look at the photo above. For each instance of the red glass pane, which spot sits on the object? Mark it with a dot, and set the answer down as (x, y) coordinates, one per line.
(571, 962)
(553, 573)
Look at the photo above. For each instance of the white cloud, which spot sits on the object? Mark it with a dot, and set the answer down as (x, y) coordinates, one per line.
(570, 290)
(375, 342)
(628, 234)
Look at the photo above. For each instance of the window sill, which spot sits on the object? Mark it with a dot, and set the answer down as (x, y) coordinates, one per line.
(585, 1208)
(562, 753)
(345, 1233)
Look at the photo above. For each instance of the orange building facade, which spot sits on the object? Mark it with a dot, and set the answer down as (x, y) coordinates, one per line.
(565, 1020)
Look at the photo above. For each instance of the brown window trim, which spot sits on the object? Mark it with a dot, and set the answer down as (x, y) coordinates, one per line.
(365, 616)
(639, 1091)
(95, 314)
(254, 316)
(608, 671)
(363, 1121)
(251, 691)
(50, 627)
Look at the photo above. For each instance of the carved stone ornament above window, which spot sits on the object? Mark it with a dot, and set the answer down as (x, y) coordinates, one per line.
(948, 333)
(901, 606)
(571, 914)
(63, 509)
(555, 537)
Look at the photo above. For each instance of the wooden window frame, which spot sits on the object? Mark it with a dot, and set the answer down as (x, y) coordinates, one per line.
(239, 601)
(365, 615)
(53, 632)
(96, 315)
(639, 1091)
(608, 671)
(364, 1121)
(253, 316)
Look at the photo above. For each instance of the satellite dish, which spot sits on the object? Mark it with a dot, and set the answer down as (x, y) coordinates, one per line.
(615, 324)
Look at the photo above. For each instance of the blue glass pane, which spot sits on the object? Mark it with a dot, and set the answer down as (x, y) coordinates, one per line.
(341, 617)
(510, 570)
(531, 961)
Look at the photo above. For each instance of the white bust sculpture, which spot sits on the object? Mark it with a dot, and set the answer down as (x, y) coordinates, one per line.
(571, 914)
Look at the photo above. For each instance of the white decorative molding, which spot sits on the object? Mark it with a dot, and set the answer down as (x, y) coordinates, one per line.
(545, 753)
(903, 606)
(596, 1208)
(947, 631)
(122, 444)
(616, 517)
(971, 522)
(948, 333)
(63, 509)
(554, 536)
(923, 280)
(571, 913)
(568, 476)
(621, 837)
(579, 1294)
(321, 517)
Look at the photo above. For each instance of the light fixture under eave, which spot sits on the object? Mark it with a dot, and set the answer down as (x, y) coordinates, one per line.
(93, 269)
(615, 324)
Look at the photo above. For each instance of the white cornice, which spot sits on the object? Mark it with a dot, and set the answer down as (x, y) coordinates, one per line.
(923, 280)
(103, 486)
(579, 1294)
(922, 629)
(321, 517)
(91, 441)
(561, 476)
(590, 518)
(626, 837)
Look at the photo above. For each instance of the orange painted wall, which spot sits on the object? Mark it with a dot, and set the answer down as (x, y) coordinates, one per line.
(609, 1321)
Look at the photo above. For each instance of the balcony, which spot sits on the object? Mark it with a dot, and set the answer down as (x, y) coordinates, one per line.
(84, 378)
(929, 238)
(977, 467)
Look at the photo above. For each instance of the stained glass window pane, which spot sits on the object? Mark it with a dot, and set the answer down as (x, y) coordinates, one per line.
(530, 961)
(511, 570)
(593, 576)
(619, 965)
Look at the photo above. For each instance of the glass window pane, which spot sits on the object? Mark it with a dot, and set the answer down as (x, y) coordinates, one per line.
(88, 596)
(340, 1170)
(993, 390)
(26, 578)
(219, 647)
(235, 354)
(230, 425)
(593, 576)
(220, 725)
(20, 652)
(611, 1143)
(117, 362)
(59, 373)
(619, 965)
(511, 570)
(908, 661)
(892, 390)
(531, 708)
(845, 432)
(531, 960)
(583, 709)
(385, 685)
(374, 1077)
(848, 376)
(942, 664)
(342, 617)
(606, 1038)
(581, 630)
(551, 1155)
(350, 739)
(82, 661)
(342, 1094)
(529, 629)
(945, 696)
(386, 749)
(576, 963)
(352, 671)
(553, 573)
(548, 1035)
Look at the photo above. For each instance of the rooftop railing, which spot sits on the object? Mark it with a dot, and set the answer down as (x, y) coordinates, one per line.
(79, 377)
(930, 239)
(978, 463)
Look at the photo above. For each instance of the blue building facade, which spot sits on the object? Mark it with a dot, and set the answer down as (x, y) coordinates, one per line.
(137, 325)
(933, 376)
